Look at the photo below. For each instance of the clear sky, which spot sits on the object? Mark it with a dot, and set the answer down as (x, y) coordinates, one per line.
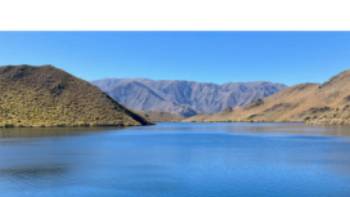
(286, 57)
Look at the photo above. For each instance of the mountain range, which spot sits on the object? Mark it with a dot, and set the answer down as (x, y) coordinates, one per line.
(323, 104)
(184, 98)
(46, 96)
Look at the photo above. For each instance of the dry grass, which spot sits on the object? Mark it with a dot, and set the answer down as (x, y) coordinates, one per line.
(154, 116)
(327, 104)
(46, 96)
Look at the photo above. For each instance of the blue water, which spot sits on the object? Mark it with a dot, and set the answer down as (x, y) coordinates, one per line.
(177, 159)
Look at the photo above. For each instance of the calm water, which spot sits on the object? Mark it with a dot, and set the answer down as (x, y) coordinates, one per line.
(177, 159)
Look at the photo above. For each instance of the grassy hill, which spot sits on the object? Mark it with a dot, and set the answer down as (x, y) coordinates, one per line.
(326, 104)
(47, 96)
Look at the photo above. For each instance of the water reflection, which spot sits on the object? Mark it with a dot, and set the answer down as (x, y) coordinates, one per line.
(297, 128)
(177, 159)
(33, 172)
(269, 128)
(47, 132)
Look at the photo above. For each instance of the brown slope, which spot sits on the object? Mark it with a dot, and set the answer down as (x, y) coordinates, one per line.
(47, 96)
(328, 103)
(161, 116)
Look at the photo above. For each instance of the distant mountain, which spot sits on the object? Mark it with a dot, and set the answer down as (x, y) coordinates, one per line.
(184, 98)
(47, 96)
(326, 104)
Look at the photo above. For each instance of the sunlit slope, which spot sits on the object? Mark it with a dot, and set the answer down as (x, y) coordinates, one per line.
(47, 96)
(326, 103)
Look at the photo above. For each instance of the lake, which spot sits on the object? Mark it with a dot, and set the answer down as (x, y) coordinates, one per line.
(177, 159)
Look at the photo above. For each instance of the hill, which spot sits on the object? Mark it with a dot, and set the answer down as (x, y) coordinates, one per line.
(161, 116)
(47, 96)
(184, 98)
(326, 104)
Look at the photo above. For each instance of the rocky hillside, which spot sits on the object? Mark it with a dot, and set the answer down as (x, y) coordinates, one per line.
(47, 96)
(184, 98)
(327, 104)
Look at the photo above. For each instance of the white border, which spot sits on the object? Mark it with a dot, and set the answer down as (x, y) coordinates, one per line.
(174, 15)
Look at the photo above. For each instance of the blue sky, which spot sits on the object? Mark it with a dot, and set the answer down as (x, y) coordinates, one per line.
(219, 57)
